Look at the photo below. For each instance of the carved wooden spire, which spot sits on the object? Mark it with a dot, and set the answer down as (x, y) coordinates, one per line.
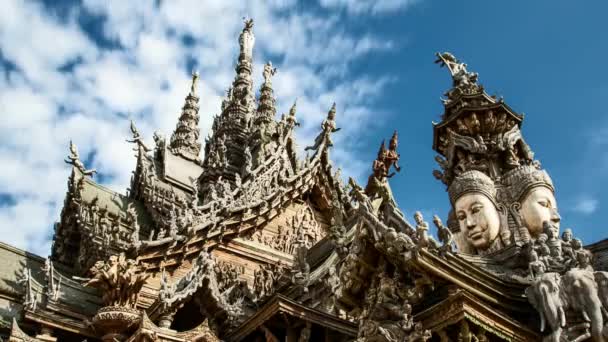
(184, 140)
(266, 108)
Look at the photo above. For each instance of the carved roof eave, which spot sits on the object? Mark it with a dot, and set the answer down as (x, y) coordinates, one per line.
(52, 319)
(242, 219)
(62, 312)
(280, 304)
(491, 106)
(456, 270)
(474, 279)
(463, 305)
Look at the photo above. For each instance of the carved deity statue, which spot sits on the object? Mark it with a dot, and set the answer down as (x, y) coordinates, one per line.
(460, 75)
(473, 197)
(328, 126)
(269, 71)
(377, 183)
(137, 139)
(74, 159)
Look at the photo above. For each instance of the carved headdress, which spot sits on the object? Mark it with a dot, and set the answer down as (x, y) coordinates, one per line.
(523, 179)
(472, 181)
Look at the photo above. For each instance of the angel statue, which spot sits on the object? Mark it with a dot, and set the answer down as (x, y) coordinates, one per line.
(74, 159)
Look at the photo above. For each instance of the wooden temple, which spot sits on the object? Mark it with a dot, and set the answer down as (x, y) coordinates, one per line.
(250, 243)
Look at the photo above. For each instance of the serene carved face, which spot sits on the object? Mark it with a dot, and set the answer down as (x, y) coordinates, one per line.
(539, 206)
(478, 219)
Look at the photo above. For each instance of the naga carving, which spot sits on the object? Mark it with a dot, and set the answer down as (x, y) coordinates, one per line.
(119, 279)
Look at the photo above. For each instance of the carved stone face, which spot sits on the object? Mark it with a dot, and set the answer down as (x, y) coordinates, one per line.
(537, 207)
(478, 219)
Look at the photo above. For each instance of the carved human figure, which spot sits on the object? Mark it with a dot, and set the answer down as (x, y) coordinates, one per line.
(444, 234)
(543, 250)
(535, 266)
(422, 232)
(555, 245)
(472, 195)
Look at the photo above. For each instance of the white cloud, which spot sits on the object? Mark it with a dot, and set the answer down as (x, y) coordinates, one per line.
(365, 6)
(144, 75)
(586, 206)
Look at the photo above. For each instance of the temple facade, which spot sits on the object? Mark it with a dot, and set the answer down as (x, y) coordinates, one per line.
(237, 239)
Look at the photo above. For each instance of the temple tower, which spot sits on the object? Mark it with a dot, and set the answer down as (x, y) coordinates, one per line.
(225, 149)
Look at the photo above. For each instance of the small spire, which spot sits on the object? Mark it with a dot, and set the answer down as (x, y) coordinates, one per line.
(266, 109)
(184, 140)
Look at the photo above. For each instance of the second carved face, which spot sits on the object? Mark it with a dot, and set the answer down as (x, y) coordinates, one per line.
(537, 207)
(478, 219)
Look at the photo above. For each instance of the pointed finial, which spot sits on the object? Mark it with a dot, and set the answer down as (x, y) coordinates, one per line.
(292, 110)
(394, 141)
(194, 82)
(332, 112)
(248, 23)
(381, 150)
(134, 129)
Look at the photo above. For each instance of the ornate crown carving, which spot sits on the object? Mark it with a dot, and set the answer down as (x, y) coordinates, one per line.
(472, 181)
(520, 181)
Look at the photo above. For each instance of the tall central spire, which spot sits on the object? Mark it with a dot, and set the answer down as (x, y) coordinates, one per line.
(184, 140)
(225, 149)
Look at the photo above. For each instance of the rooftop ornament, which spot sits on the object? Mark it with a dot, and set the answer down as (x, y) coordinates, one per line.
(74, 160)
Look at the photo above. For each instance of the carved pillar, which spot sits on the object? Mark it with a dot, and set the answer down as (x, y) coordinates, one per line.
(46, 334)
(166, 320)
(292, 335)
(443, 336)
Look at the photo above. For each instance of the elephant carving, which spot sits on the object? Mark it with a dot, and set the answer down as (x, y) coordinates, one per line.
(581, 291)
(545, 296)
(601, 278)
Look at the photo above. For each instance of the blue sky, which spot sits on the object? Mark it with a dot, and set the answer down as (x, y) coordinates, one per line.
(80, 70)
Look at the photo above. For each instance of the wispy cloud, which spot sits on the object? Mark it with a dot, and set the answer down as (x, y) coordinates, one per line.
(586, 205)
(62, 80)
